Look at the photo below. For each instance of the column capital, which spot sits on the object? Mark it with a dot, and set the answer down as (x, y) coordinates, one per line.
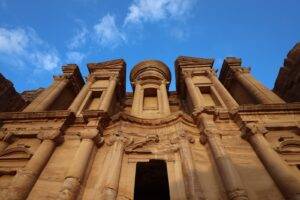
(165, 82)
(54, 135)
(241, 70)
(182, 136)
(186, 74)
(91, 78)
(119, 136)
(114, 77)
(253, 128)
(62, 77)
(92, 134)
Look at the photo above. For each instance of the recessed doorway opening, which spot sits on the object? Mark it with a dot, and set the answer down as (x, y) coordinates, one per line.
(151, 181)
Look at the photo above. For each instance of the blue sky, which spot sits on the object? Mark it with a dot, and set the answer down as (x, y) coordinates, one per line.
(37, 36)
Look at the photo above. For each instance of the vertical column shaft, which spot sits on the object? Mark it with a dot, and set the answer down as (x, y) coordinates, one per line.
(192, 91)
(135, 109)
(231, 179)
(226, 97)
(80, 97)
(24, 180)
(109, 94)
(48, 97)
(40, 98)
(165, 99)
(194, 190)
(288, 183)
(77, 169)
(113, 163)
(260, 93)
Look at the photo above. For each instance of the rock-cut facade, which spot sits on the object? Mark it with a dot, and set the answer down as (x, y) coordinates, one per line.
(213, 138)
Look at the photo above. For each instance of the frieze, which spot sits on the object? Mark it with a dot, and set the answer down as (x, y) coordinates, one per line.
(154, 122)
(35, 115)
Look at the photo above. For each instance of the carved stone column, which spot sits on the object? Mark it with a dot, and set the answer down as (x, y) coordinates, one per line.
(163, 90)
(193, 188)
(80, 97)
(226, 97)
(258, 91)
(44, 100)
(75, 174)
(286, 180)
(108, 188)
(231, 180)
(25, 178)
(192, 91)
(109, 93)
(135, 108)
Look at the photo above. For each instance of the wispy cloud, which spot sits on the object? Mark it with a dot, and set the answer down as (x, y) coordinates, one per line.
(80, 37)
(75, 57)
(107, 33)
(155, 10)
(26, 47)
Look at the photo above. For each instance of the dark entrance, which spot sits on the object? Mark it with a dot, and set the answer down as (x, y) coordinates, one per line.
(151, 181)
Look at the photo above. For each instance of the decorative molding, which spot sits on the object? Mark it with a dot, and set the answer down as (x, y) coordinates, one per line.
(7, 154)
(93, 134)
(284, 147)
(253, 128)
(119, 136)
(153, 122)
(138, 146)
(57, 114)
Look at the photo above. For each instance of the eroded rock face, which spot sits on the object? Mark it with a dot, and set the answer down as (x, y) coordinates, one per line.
(287, 84)
(30, 95)
(10, 99)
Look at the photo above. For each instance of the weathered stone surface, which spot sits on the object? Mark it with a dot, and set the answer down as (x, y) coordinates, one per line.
(10, 99)
(287, 84)
(94, 141)
(30, 95)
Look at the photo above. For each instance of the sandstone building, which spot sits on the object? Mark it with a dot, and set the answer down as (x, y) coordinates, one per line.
(227, 138)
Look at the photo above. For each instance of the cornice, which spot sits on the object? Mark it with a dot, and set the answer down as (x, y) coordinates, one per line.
(267, 108)
(58, 114)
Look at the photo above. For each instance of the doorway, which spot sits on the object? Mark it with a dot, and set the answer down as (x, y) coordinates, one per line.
(151, 181)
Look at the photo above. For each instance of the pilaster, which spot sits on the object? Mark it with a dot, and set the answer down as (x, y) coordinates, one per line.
(25, 178)
(286, 180)
(232, 182)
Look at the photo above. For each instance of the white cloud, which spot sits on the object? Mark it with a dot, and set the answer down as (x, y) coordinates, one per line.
(107, 32)
(75, 57)
(46, 60)
(155, 10)
(27, 48)
(79, 38)
(13, 41)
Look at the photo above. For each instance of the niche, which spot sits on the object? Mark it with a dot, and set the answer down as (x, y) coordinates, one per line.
(210, 98)
(151, 181)
(94, 101)
(150, 101)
